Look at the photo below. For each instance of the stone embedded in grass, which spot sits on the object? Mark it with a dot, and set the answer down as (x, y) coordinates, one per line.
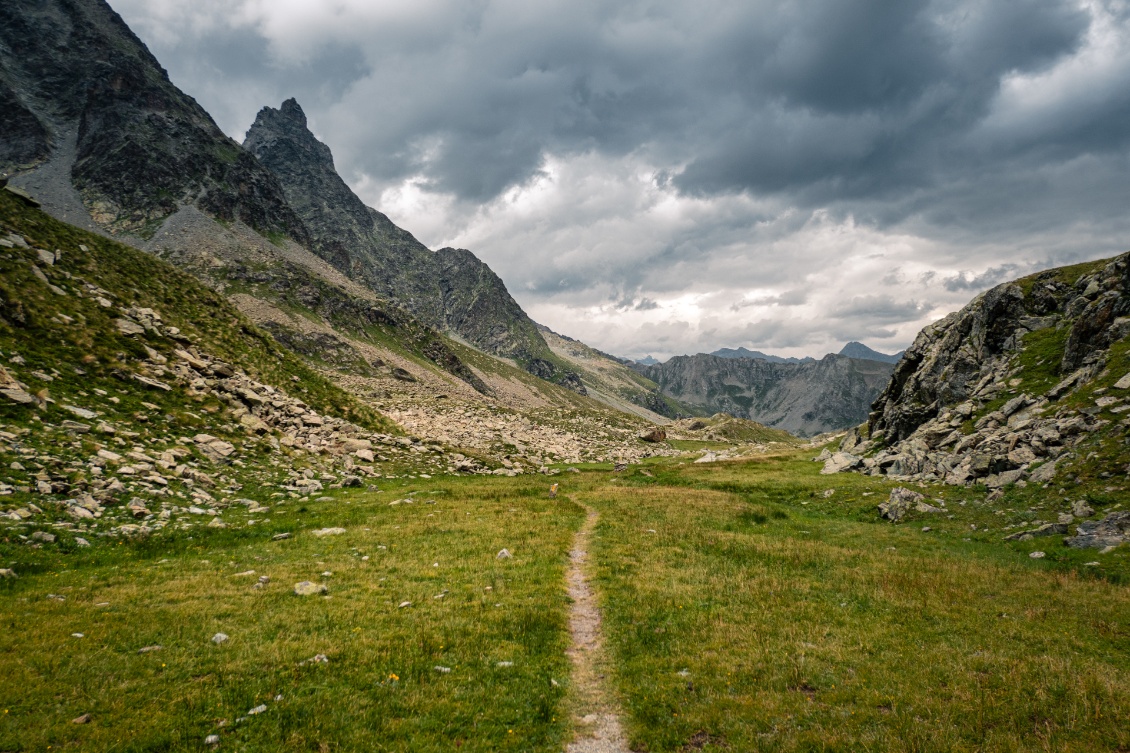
(84, 719)
(504, 555)
(150, 649)
(219, 638)
(328, 531)
(212, 740)
(306, 588)
(404, 604)
(1105, 534)
(316, 659)
(1037, 555)
(444, 670)
(280, 537)
(7, 573)
(46, 538)
(1081, 509)
(258, 709)
(504, 664)
(899, 503)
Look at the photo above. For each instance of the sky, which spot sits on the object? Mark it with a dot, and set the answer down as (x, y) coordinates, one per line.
(674, 177)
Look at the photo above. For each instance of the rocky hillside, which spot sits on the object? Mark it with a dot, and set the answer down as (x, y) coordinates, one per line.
(1030, 382)
(802, 398)
(95, 130)
(611, 381)
(132, 399)
(450, 289)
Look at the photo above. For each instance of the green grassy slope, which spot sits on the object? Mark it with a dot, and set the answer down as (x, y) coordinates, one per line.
(30, 322)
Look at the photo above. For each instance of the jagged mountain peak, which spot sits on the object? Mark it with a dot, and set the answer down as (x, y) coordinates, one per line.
(288, 124)
(451, 289)
(291, 109)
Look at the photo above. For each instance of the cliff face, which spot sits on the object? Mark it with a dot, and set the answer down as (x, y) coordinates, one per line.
(73, 71)
(1008, 387)
(450, 289)
(969, 354)
(802, 398)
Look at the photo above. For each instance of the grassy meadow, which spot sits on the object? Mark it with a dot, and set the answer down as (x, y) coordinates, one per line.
(746, 608)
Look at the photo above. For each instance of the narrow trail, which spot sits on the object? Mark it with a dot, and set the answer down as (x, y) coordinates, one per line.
(598, 716)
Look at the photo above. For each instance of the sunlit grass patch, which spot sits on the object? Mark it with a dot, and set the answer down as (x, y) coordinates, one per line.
(380, 688)
(767, 625)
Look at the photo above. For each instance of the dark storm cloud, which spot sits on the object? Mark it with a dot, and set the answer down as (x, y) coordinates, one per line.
(872, 97)
(831, 99)
(752, 156)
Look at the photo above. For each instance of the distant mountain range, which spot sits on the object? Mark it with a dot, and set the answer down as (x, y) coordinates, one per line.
(744, 353)
(859, 350)
(804, 399)
(851, 350)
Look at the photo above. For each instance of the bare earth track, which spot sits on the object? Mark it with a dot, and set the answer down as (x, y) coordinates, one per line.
(597, 713)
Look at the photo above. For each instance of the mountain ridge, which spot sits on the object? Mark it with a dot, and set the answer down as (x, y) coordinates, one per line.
(805, 399)
(95, 128)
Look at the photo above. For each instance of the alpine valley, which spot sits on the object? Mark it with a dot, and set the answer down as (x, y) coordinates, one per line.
(275, 476)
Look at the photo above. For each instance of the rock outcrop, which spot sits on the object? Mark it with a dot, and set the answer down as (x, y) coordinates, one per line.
(1003, 390)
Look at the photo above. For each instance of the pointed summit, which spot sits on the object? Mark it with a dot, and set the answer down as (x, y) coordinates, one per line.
(293, 111)
(451, 290)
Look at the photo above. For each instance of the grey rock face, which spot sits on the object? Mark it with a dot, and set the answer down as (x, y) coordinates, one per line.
(1112, 530)
(449, 289)
(144, 147)
(932, 416)
(802, 398)
(962, 356)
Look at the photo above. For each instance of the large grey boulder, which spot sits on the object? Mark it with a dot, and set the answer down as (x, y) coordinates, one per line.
(899, 503)
(840, 461)
(1112, 530)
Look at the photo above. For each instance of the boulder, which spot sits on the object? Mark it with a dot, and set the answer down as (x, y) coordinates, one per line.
(655, 435)
(840, 461)
(899, 503)
(1044, 473)
(1112, 530)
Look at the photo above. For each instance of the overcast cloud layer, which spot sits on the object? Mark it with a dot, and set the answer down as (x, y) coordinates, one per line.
(672, 177)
